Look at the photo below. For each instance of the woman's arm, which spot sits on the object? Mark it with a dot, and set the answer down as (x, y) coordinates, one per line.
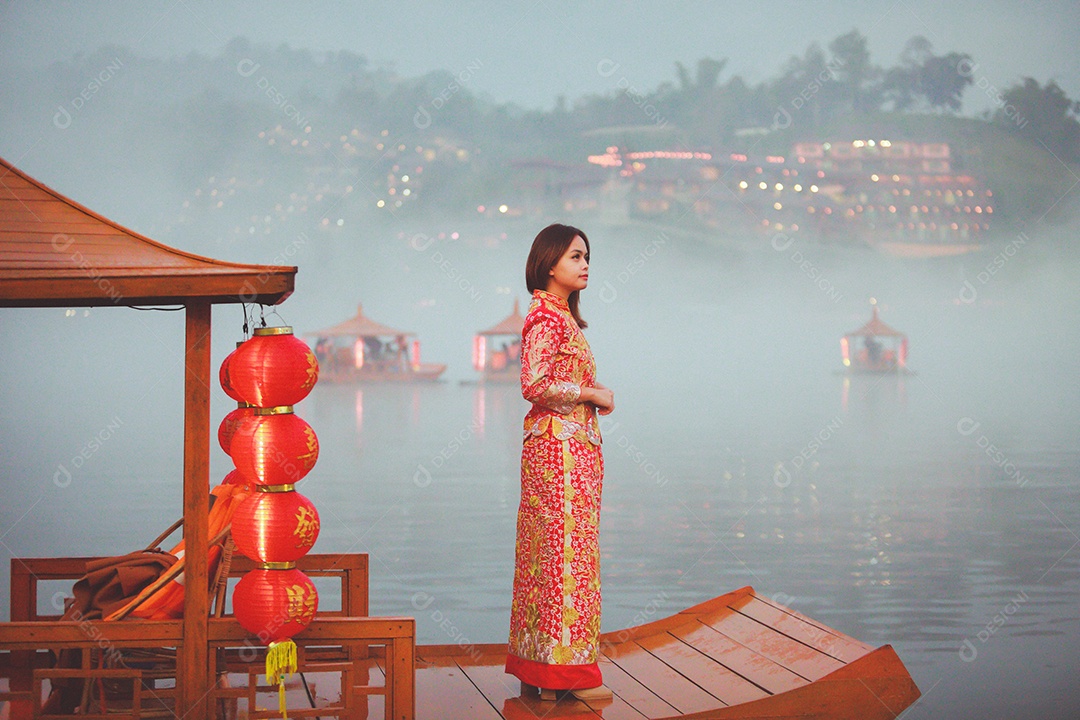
(541, 338)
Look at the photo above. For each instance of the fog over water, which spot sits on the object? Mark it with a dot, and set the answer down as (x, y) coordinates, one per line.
(907, 510)
(938, 512)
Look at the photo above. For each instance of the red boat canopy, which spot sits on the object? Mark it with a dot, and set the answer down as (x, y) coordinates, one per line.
(56, 253)
(358, 326)
(511, 325)
(876, 327)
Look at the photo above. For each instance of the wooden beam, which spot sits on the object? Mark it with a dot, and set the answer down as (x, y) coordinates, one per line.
(193, 659)
(89, 634)
(91, 288)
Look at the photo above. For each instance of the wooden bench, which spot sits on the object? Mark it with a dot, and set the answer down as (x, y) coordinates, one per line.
(345, 642)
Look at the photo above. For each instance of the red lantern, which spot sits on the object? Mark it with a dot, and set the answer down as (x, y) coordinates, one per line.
(273, 368)
(274, 447)
(275, 526)
(479, 352)
(233, 478)
(226, 380)
(229, 425)
(275, 604)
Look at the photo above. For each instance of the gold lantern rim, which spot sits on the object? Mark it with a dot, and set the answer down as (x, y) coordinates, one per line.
(279, 330)
(277, 410)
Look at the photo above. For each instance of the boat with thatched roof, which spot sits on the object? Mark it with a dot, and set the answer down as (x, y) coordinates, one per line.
(363, 350)
(497, 350)
(874, 348)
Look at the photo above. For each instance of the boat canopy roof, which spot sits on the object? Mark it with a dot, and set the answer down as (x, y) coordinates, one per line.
(358, 326)
(512, 324)
(876, 327)
(56, 253)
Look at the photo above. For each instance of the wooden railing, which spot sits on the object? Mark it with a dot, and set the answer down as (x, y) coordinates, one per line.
(345, 642)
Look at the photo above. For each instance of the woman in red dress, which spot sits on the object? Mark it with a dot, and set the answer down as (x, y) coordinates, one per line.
(555, 617)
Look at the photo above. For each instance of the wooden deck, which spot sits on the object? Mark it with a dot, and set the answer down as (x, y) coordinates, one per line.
(737, 656)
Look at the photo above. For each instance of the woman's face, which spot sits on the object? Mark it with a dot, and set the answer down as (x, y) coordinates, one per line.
(572, 271)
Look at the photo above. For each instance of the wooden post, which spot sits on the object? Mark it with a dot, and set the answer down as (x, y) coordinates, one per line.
(193, 662)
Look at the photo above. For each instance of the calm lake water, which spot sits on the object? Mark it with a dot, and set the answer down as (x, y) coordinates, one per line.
(938, 512)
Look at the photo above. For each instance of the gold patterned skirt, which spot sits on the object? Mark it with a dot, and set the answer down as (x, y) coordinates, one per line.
(555, 616)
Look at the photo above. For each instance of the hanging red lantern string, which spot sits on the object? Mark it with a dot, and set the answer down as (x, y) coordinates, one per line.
(273, 368)
(235, 478)
(274, 447)
(225, 379)
(275, 526)
(231, 422)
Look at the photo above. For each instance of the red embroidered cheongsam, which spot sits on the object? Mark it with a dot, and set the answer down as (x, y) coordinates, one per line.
(555, 617)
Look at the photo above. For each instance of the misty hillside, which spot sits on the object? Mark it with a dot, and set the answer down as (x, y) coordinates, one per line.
(262, 140)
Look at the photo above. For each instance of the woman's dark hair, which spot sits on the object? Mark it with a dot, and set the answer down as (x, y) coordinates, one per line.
(547, 248)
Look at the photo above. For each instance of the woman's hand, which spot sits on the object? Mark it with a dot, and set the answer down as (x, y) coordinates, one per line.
(603, 398)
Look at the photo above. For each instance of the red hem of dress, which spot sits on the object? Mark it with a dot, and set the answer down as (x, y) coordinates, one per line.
(554, 677)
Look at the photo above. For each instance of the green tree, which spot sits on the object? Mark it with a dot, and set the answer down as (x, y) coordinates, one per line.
(942, 80)
(900, 84)
(808, 90)
(858, 77)
(1044, 113)
(923, 79)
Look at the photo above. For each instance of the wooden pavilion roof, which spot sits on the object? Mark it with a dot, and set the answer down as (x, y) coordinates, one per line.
(876, 327)
(55, 252)
(512, 324)
(358, 326)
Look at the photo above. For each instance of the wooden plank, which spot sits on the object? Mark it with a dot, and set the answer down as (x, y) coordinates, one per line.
(504, 693)
(761, 671)
(193, 664)
(720, 603)
(720, 682)
(225, 631)
(764, 640)
(443, 690)
(812, 621)
(633, 693)
(875, 687)
(87, 634)
(400, 671)
(662, 679)
(434, 652)
(20, 211)
(823, 639)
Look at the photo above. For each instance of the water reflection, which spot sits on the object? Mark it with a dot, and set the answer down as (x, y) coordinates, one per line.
(480, 409)
(871, 390)
(359, 412)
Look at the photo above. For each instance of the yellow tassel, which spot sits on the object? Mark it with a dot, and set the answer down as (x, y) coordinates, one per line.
(280, 662)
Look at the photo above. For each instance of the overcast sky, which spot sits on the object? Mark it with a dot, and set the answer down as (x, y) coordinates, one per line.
(530, 52)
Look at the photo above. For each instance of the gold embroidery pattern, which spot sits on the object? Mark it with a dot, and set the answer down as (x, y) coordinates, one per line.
(555, 615)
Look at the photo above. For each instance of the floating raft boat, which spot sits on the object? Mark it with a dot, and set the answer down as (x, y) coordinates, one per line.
(739, 655)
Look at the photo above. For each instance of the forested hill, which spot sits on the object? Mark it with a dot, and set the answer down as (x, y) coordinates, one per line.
(165, 126)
